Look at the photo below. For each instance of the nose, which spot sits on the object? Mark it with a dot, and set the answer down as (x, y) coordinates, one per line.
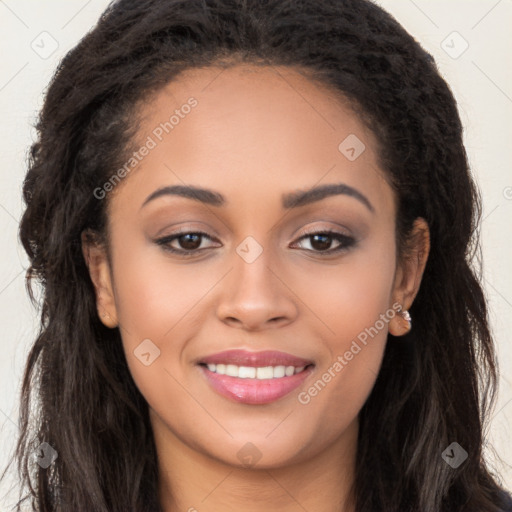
(255, 297)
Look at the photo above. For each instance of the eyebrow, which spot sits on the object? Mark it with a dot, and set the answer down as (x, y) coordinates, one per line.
(290, 200)
(304, 197)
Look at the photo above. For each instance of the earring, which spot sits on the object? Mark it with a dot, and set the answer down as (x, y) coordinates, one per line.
(407, 316)
(404, 313)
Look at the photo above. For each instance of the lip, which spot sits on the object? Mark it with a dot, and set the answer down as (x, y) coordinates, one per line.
(255, 391)
(255, 359)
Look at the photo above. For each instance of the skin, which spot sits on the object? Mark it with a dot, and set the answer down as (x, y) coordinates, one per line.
(256, 133)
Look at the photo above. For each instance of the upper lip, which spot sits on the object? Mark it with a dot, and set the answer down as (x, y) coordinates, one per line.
(255, 359)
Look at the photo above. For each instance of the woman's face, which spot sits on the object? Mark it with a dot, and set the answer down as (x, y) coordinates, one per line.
(266, 163)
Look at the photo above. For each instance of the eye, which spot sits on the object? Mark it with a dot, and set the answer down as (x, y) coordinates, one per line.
(188, 243)
(185, 242)
(321, 242)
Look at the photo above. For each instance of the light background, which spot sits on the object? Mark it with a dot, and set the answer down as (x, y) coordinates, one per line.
(481, 79)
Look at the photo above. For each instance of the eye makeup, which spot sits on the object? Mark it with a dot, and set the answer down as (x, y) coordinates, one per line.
(191, 238)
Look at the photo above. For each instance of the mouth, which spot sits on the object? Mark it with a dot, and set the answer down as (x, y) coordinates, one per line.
(255, 378)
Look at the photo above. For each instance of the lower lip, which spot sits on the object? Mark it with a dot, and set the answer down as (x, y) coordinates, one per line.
(255, 391)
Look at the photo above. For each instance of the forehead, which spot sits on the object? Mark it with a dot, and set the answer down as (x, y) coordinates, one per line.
(250, 127)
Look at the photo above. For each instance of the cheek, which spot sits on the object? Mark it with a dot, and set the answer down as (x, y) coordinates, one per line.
(355, 304)
(349, 297)
(153, 294)
(158, 301)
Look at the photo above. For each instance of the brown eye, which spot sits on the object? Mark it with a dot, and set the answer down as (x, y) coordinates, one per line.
(322, 242)
(190, 241)
(185, 243)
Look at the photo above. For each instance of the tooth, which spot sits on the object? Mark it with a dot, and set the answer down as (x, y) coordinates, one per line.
(266, 372)
(249, 372)
(246, 372)
(279, 371)
(232, 370)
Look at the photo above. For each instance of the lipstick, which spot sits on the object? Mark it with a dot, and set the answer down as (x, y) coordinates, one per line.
(255, 378)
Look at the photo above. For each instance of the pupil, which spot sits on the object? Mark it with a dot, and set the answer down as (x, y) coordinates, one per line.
(321, 242)
(190, 241)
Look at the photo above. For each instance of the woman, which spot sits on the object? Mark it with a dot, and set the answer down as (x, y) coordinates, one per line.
(253, 222)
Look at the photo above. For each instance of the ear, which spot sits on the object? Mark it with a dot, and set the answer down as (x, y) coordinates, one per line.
(409, 273)
(97, 261)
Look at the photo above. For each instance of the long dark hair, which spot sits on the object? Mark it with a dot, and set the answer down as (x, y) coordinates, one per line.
(436, 385)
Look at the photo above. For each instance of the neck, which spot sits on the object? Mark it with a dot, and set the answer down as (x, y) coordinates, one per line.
(191, 481)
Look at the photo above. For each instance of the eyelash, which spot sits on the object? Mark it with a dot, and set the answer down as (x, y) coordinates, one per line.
(346, 242)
